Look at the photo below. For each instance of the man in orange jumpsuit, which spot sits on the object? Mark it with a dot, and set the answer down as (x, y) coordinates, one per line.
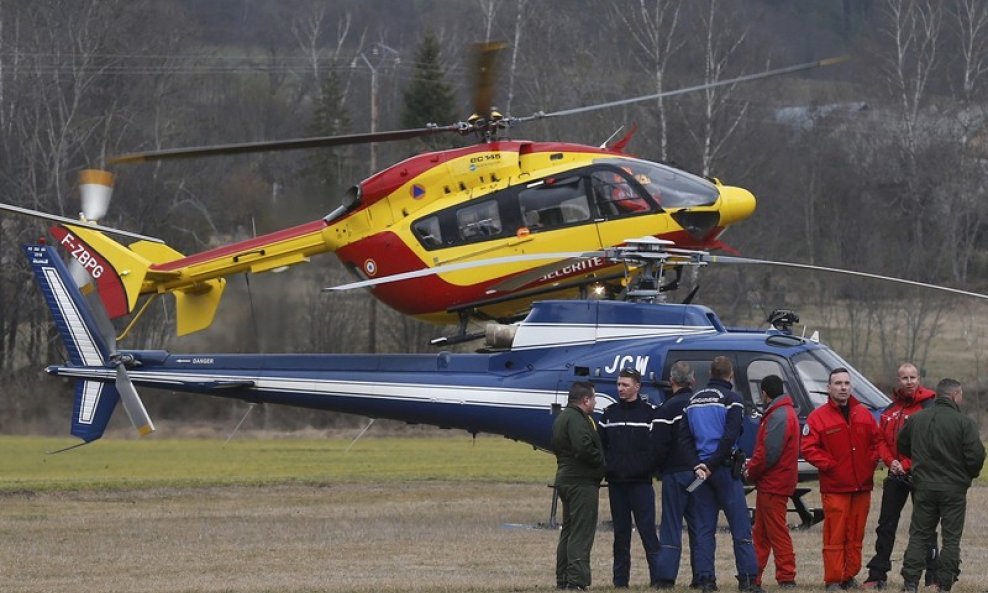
(840, 438)
(774, 470)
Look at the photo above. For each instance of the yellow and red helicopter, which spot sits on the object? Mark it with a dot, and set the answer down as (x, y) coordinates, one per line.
(521, 204)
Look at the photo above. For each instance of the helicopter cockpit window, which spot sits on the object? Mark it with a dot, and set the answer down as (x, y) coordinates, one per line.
(478, 222)
(552, 204)
(617, 196)
(672, 188)
(428, 232)
(814, 371)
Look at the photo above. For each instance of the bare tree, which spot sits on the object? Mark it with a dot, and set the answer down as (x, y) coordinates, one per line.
(912, 30)
(489, 10)
(971, 18)
(653, 28)
(720, 114)
(308, 29)
(515, 48)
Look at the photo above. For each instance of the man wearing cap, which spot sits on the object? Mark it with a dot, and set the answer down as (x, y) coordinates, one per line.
(625, 431)
(579, 469)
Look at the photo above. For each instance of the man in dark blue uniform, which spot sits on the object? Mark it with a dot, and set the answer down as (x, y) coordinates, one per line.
(625, 431)
(677, 474)
(709, 435)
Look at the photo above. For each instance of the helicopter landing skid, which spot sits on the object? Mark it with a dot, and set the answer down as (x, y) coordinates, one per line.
(808, 517)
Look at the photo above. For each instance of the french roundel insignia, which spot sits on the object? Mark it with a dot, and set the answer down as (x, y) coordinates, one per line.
(370, 267)
(418, 191)
(806, 430)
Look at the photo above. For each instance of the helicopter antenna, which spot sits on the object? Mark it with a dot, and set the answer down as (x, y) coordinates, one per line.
(250, 408)
(611, 137)
(359, 434)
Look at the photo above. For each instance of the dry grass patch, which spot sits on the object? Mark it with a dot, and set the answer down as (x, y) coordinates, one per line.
(405, 536)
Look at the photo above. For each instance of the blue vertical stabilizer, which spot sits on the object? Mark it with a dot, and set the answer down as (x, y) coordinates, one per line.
(86, 346)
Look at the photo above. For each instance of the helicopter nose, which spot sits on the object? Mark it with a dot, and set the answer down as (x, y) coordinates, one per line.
(736, 204)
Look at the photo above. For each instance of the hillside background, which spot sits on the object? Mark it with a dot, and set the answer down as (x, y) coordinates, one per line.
(875, 165)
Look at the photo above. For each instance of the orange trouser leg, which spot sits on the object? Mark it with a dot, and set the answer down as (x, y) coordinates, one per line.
(857, 517)
(771, 534)
(844, 521)
(835, 511)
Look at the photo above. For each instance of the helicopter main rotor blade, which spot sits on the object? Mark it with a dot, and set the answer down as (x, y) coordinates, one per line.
(278, 145)
(485, 66)
(73, 221)
(728, 259)
(494, 261)
(683, 91)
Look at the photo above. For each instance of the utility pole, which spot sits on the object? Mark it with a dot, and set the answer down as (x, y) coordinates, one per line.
(378, 51)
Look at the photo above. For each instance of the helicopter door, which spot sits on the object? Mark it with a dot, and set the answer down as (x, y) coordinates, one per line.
(557, 214)
(752, 367)
(622, 208)
(700, 361)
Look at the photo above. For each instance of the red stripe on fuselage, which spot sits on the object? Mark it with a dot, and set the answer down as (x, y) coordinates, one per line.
(432, 294)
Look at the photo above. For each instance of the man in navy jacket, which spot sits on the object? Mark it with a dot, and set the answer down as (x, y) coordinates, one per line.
(677, 474)
(709, 435)
(625, 431)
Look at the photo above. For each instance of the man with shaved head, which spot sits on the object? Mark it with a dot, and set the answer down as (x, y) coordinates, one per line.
(908, 398)
(947, 455)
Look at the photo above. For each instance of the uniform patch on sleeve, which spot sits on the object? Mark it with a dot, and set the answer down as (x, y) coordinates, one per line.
(806, 430)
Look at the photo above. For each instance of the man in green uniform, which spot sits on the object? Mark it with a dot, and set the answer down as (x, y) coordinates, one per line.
(947, 454)
(579, 469)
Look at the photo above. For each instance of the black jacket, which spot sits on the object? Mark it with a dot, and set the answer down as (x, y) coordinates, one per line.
(665, 433)
(625, 431)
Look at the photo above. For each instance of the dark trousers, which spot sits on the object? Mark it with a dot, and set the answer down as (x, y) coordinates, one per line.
(576, 537)
(723, 492)
(895, 492)
(633, 499)
(930, 508)
(677, 504)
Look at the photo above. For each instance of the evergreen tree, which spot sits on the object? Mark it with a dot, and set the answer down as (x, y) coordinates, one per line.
(329, 168)
(429, 98)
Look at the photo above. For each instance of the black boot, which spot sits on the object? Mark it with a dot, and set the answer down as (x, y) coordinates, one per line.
(747, 584)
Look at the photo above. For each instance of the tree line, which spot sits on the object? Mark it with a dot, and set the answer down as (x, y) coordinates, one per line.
(874, 165)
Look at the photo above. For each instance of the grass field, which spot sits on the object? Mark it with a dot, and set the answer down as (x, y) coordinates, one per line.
(156, 462)
(300, 516)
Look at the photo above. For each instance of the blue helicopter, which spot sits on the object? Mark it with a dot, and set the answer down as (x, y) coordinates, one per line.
(513, 387)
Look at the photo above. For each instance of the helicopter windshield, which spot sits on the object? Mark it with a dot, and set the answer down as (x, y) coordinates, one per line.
(814, 371)
(672, 188)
